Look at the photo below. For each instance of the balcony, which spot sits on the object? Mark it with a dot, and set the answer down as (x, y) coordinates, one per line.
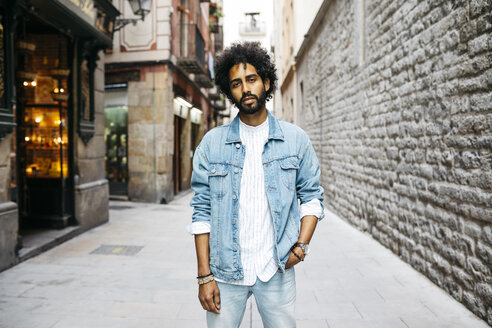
(214, 94)
(252, 26)
(204, 81)
(192, 50)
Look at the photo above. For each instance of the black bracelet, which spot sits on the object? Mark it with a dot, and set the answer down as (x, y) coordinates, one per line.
(204, 276)
(292, 250)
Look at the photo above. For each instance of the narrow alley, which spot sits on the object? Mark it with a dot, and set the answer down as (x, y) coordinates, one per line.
(138, 270)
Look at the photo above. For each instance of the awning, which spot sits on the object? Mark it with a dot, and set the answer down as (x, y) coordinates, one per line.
(84, 18)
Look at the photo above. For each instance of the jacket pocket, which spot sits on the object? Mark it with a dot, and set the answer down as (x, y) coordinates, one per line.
(288, 171)
(217, 180)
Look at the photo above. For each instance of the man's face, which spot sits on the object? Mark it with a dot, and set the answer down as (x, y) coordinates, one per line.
(247, 88)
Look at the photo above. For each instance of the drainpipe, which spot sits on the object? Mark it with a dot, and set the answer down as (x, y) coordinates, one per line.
(154, 141)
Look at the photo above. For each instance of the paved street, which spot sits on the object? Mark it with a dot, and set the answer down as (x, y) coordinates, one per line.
(139, 270)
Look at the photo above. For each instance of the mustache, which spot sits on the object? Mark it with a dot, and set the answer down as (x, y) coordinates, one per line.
(248, 95)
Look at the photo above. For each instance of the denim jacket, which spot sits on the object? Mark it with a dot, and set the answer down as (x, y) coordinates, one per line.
(291, 173)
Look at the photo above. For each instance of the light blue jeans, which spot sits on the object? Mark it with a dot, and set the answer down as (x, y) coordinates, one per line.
(275, 300)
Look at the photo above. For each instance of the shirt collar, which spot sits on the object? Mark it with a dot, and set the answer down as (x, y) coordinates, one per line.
(274, 129)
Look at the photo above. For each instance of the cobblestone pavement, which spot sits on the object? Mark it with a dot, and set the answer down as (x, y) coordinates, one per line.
(139, 270)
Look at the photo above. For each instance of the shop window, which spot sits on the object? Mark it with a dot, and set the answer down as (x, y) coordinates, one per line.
(6, 106)
(43, 79)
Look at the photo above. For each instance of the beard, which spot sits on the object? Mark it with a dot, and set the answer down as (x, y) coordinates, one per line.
(250, 109)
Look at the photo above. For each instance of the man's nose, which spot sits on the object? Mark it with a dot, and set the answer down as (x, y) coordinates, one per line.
(246, 88)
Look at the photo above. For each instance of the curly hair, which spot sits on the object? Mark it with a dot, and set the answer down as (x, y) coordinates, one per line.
(246, 52)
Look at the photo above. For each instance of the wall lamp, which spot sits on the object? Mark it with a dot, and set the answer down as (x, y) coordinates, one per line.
(139, 8)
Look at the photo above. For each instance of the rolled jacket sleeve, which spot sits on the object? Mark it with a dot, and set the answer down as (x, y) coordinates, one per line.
(199, 227)
(308, 187)
(199, 183)
(313, 207)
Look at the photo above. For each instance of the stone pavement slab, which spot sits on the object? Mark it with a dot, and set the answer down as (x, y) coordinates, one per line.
(138, 270)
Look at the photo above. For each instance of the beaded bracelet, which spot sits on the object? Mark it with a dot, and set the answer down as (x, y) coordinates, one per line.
(208, 278)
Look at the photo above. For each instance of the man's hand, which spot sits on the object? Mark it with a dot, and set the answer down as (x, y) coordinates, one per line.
(293, 260)
(209, 296)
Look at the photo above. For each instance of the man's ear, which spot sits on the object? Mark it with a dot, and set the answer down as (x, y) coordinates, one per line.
(267, 84)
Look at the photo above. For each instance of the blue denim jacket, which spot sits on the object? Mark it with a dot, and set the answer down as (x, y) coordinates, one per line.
(291, 172)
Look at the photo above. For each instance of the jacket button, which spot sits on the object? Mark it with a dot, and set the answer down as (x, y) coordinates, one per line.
(238, 146)
(234, 197)
(236, 170)
(233, 222)
(213, 170)
(234, 249)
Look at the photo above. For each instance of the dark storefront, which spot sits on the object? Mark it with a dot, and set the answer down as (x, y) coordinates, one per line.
(50, 109)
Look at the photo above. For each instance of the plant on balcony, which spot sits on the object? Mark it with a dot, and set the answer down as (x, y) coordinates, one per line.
(215, 13)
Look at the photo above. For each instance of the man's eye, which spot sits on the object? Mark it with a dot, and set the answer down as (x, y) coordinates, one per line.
(252, 80)
(235, 84)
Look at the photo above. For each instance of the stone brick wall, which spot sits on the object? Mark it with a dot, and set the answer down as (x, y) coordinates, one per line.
(397, 97)
(91, 189)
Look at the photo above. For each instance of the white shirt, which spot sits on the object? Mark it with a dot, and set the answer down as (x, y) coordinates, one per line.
(256, 234)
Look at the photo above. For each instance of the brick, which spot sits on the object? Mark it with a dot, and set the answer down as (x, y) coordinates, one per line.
(484, 253)
(453, 288)
(463, 243)
(478, 7)
(477, 268)
(464, 278)
(484, 290)
(452, 256)
(473, 230)
(479, 45)
(487, 234)
(468, 160)
(474, 303)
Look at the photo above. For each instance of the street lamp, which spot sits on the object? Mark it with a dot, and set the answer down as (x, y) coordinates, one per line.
(139, 8)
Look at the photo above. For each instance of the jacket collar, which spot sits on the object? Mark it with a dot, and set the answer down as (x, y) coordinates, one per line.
(274, 129)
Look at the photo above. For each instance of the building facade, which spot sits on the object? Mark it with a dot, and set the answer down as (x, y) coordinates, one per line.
(159, 97)
(51, 119)
(397, 99)
(293, 24)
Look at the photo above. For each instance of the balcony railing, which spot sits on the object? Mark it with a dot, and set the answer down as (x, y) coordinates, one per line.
(252, 28)
(204, 81)
(192, 49)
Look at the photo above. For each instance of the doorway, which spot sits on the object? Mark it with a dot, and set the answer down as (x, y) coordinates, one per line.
(116, 141)
(43, 141)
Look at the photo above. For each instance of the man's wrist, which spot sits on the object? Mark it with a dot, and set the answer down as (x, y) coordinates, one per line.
(203, 271)
(303, 246)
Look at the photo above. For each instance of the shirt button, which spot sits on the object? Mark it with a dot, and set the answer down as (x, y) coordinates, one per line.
(236, 170)
(238, 146)
(234, 249)
(213, 170)
(234, 197)
(233, 222)
(235, 276)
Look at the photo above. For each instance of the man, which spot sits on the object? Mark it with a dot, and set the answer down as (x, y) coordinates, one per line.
(248, 177)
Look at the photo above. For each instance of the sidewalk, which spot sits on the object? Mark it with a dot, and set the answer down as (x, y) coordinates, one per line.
(139, 270)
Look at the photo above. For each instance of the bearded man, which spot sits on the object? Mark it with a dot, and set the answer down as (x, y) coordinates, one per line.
(257, 198)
